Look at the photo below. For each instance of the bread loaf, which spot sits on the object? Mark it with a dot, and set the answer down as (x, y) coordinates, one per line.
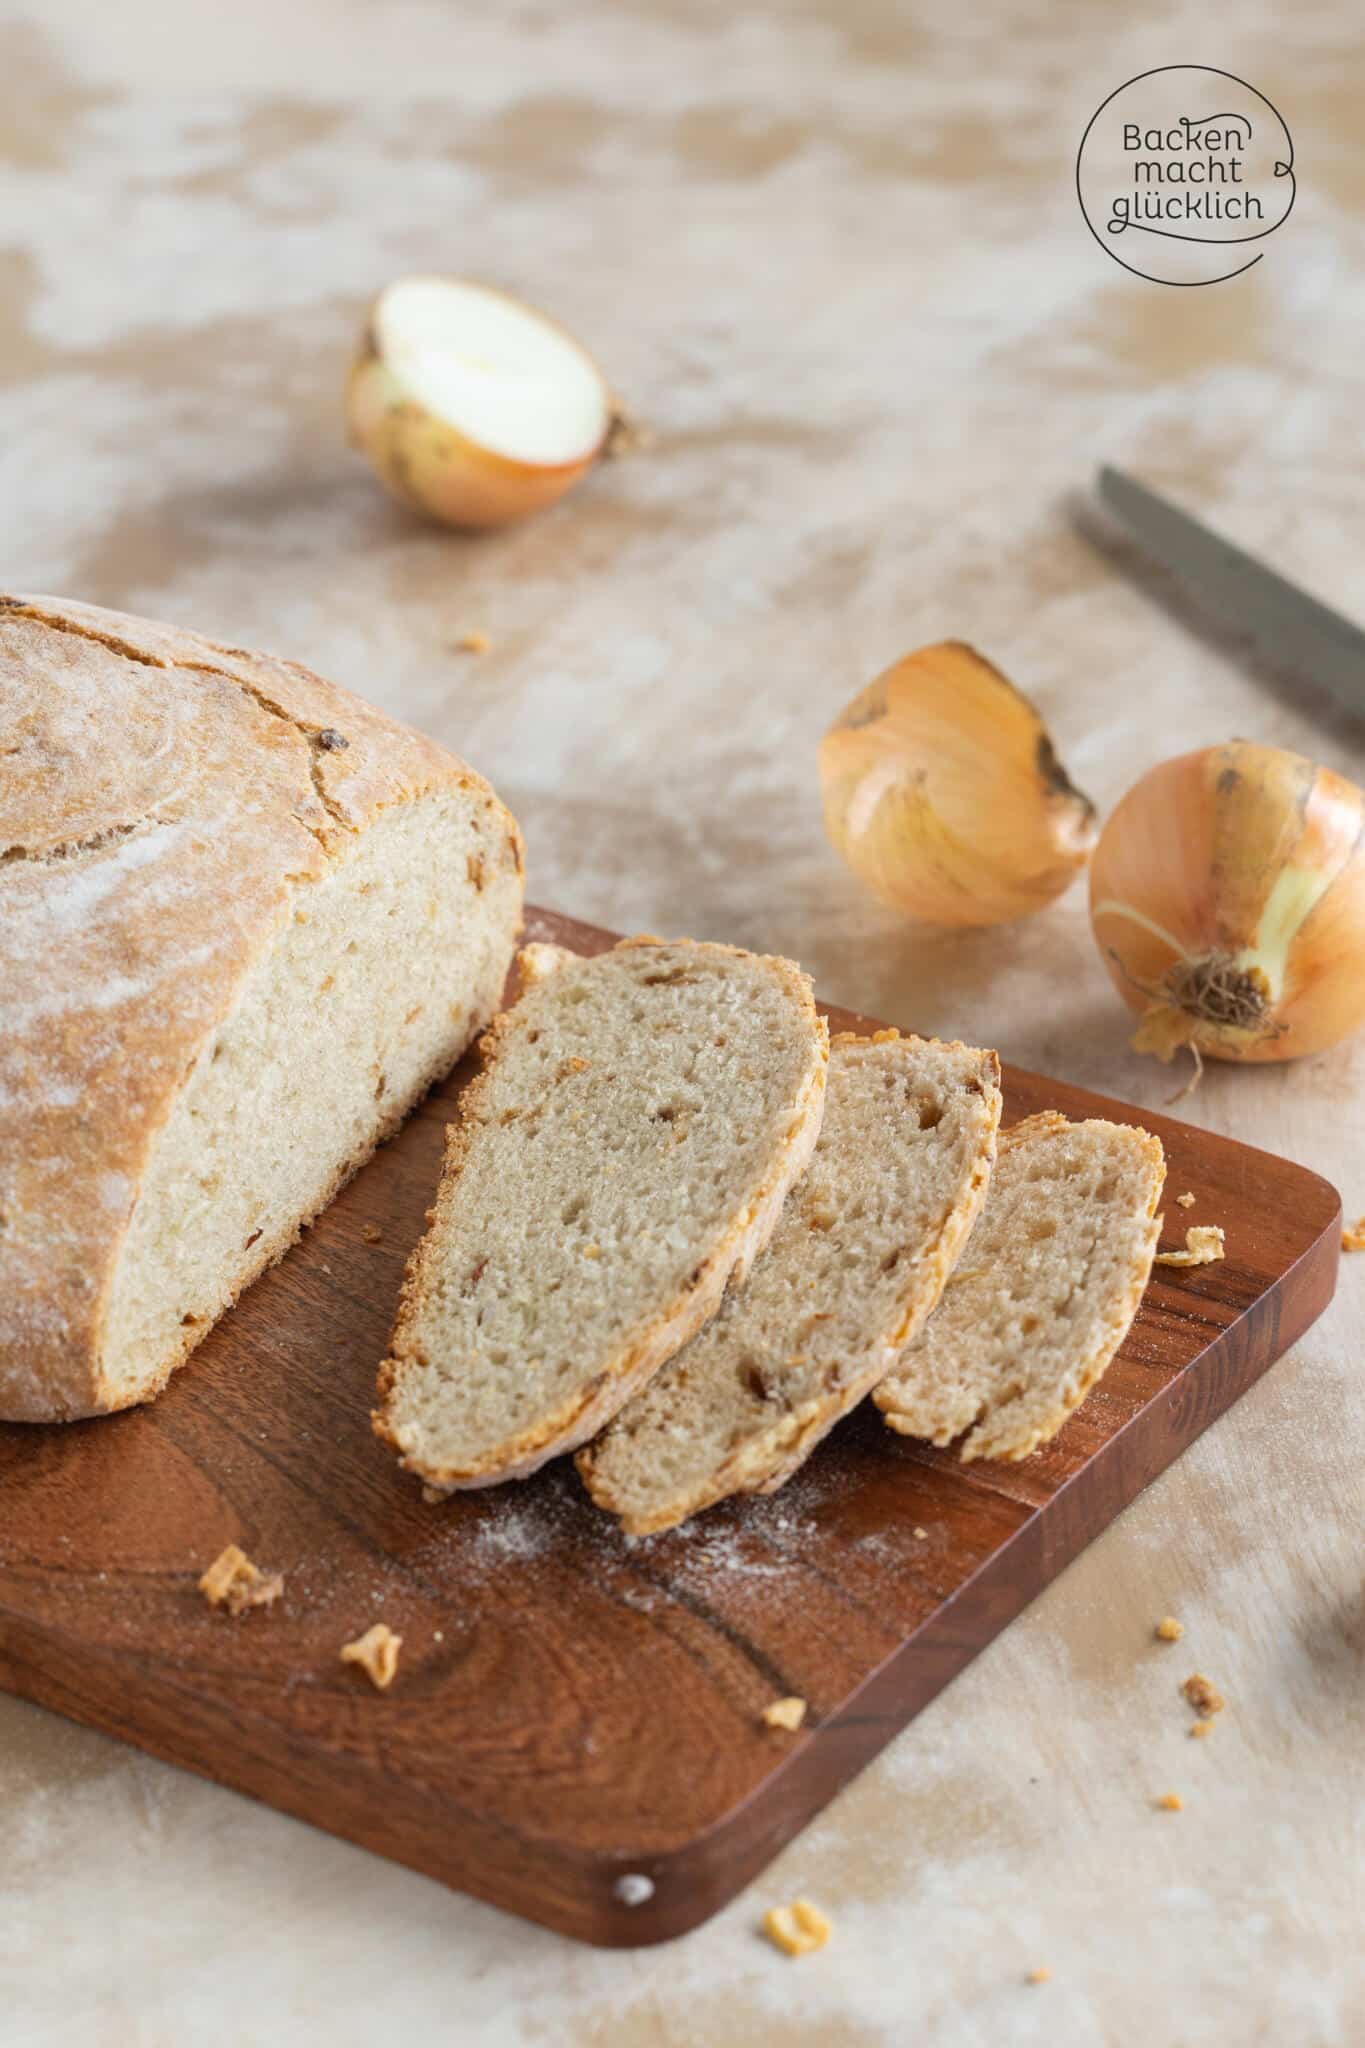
(866, 1240)
(627, 1148)
(247, 919)
(1045, 1293)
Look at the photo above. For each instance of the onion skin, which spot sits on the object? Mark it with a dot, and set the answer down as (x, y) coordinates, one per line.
(943, 792)
(428, 464)
(1246, 867)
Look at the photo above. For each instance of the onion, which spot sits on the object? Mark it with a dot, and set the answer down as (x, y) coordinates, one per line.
(943, 792)
(1227, 895)
(472, 407)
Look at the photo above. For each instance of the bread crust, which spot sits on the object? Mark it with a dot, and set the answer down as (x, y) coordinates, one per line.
(765, 1461)
(168, 800)
(583, 1413)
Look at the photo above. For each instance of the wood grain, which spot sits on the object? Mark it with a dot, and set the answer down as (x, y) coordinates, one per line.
(571, 1708)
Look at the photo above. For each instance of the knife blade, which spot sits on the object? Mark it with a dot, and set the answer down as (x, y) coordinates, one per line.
(1282, 621)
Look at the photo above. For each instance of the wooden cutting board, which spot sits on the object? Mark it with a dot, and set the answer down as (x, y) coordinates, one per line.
(572, 1709)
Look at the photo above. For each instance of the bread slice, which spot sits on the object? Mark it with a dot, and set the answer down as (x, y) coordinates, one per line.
(1045, 1296)
(245, 920)
(865, 1242)
(627, 1148)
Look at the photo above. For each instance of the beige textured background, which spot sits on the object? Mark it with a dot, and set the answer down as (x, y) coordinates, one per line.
(831, 253)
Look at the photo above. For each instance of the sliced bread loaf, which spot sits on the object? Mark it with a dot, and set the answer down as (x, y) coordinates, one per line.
(865, 1242)
(245, 921)
(627, 1147)
(1045, 1296)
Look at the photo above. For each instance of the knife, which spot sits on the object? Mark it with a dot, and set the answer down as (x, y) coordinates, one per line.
(1282, 621)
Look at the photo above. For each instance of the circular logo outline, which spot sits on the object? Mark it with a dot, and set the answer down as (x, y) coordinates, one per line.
(1281, 170)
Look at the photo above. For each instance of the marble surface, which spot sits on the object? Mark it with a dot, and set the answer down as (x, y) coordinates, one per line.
(832, 256)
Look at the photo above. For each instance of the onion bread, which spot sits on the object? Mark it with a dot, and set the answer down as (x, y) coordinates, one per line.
(245, 920)
(865, 1243)
(1052, 1279)
(626, 1149)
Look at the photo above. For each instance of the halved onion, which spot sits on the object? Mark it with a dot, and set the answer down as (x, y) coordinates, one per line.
(472, 407)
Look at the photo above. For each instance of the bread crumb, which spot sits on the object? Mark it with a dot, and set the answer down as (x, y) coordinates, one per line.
(1203, 1697)
(371, 1232)
(797, 1929)
(377, 1654)
(634, 1888)
(1184, 1201)
(432, 1494)
(1353, 1236)
(1039, 1974)
(1169, 1630)
(1171, 1802)
(473, 643)
(234, 1582)
(788, 1713)
(1201, 1728)
(1203, 1244)
(921, 1532)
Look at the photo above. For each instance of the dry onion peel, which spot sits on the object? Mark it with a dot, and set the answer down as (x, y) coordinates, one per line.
(472, 407)
(943, 792)
(1227, 895)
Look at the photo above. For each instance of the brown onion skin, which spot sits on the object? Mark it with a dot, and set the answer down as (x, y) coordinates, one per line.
(943, 793)
(1197, 846)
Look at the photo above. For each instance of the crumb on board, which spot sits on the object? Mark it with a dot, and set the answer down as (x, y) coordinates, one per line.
(1200, 1729)
(634, 1888)
(234, 1582)
(1353, 1236)
(1039, 1974)
(788, 1713)
(1171, 1802)
(797, 1929)
(1203, 1244)
(1202, 1696)
(473, 642)
(921, 1532)
(371, 1232)
(376, 1652)
(1185, 1201)
(1169, 1630)
(432, 1494)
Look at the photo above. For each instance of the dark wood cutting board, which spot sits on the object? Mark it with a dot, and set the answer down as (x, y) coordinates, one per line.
(572, 1709)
